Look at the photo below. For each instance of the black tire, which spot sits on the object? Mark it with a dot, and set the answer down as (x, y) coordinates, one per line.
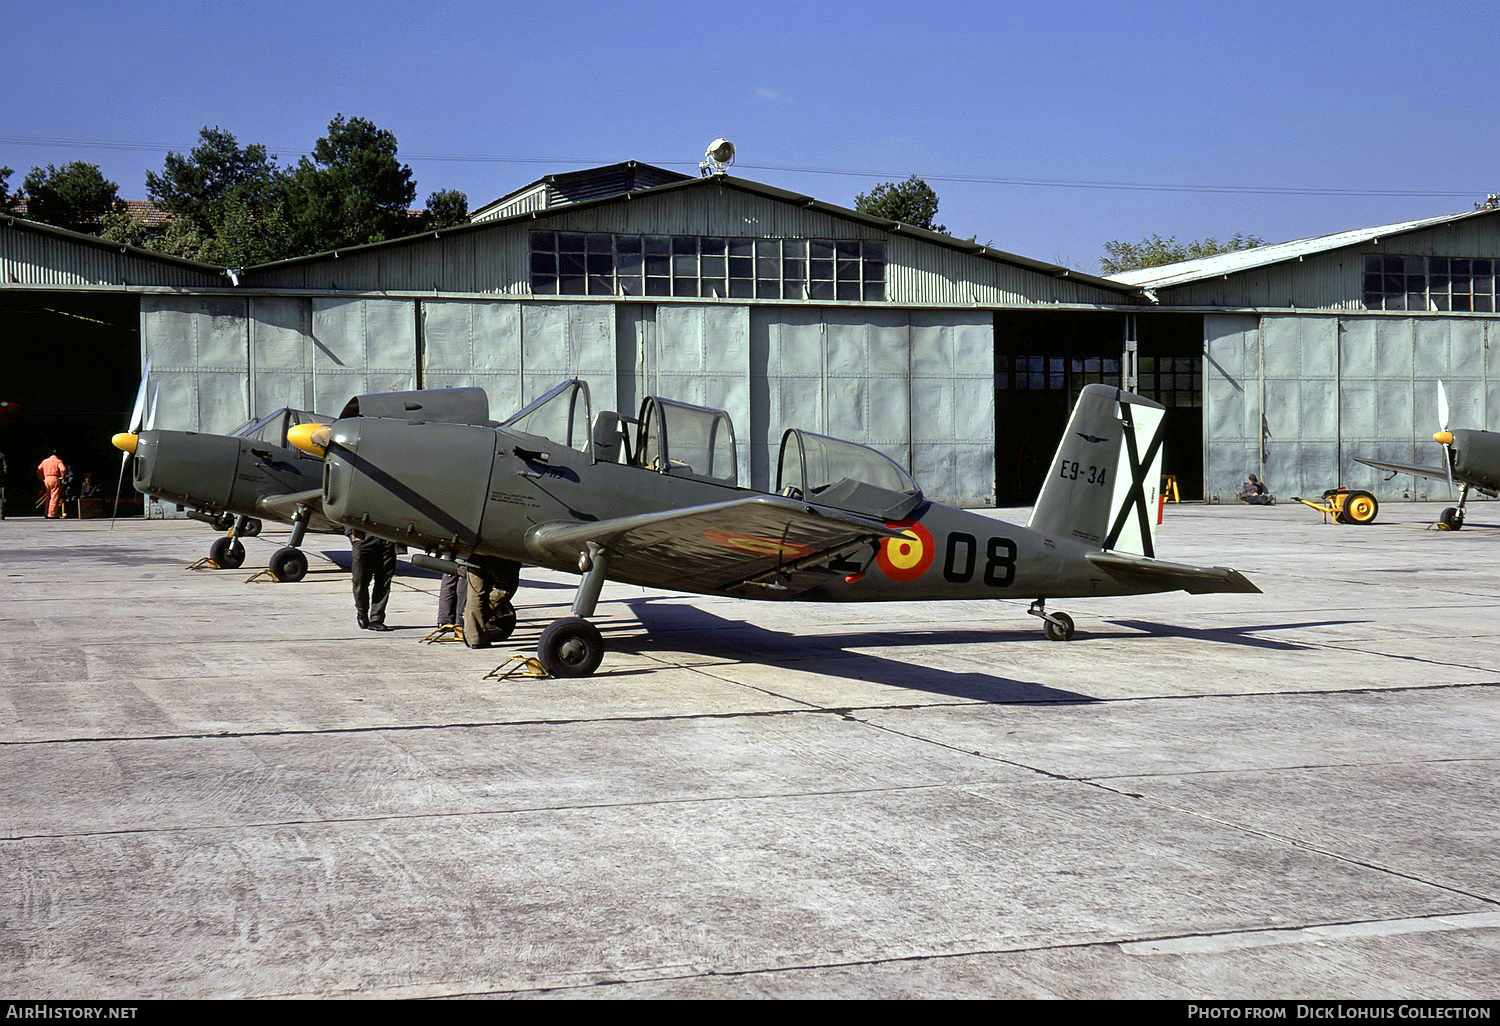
(1360, 508)
(1451, 519)
(288, 565)
(570, 647)
(1060, 631)
(252, 528)
(227, 553)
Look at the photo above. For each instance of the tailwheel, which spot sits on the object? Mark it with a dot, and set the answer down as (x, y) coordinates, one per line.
(227, 553)
(1451, 519)
(288, 565)
(1360, 508)
(570, 647)
(1058, 627)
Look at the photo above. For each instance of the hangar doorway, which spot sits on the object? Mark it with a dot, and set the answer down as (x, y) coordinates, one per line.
(1043, 358)
(73, 364)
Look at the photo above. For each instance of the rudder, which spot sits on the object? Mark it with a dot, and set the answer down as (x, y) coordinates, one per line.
(1102, 485)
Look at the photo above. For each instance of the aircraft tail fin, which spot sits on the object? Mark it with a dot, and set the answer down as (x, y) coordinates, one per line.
(1102, 485)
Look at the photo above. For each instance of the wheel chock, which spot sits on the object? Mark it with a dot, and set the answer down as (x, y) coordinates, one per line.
(206, 563)
(262, 577)
(519, 666)
(444, 632)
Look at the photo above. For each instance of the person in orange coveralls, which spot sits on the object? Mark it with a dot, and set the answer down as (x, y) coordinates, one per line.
(51, 472)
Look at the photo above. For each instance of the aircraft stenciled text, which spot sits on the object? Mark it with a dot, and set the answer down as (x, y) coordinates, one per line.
(1073, 470)
(960, 561)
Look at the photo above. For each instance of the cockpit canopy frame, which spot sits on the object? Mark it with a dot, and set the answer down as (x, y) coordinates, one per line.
(845, 475)
(272, 427)
(561, 414)
(685, 440)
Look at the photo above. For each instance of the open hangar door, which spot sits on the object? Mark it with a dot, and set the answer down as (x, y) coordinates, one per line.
(73, 364)
(1043, 358)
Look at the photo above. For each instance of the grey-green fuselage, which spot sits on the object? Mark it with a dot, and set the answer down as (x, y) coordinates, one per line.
(479, 494)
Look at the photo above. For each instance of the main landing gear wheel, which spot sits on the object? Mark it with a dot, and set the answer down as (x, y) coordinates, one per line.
(570, 647)
(1451, 519)
(251, 529)
(288, 565)
(1059, 627)
(227, 553)
(1360, 508)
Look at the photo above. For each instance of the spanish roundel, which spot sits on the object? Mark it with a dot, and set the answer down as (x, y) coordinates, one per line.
(908, 557)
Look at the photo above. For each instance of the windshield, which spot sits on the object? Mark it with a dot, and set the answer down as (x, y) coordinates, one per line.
(560, 414)
(273, 426)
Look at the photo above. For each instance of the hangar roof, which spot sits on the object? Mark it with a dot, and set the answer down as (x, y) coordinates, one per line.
(1187, 271)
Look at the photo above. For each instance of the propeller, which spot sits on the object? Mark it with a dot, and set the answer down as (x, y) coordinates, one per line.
(1444, 437)
(127, 441)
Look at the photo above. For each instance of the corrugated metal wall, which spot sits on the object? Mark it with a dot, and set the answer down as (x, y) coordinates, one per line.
(29, 258)
(497, 260)
(1334, 281)
(1295, 398)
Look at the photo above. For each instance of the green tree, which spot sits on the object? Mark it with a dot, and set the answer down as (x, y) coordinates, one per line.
(445, 208)
(1154, 251)
(200, 186)
(75, 196)
(352, 191)
(911, 202)
(10, 202)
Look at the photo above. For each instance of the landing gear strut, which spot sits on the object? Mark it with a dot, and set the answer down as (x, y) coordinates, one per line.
(1057, 626)
(571, 646)
(288, 563)
(1452, 518)
(488, 614)
(227, 552)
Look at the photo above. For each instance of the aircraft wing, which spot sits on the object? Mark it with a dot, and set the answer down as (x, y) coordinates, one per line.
(1195, 580)
(282, 507)
(1436, 473)
(743, 547)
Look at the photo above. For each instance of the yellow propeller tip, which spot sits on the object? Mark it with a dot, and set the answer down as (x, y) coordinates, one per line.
(125, 442)
(310, 438)
(1443, 438)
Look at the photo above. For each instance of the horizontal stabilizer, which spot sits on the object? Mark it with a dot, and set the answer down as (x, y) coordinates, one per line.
(1195, 580)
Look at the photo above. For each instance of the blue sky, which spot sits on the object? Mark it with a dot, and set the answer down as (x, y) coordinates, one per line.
(1362, 98)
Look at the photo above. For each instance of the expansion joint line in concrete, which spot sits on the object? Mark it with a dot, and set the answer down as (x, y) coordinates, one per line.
(1146, 946)
(1294, 842)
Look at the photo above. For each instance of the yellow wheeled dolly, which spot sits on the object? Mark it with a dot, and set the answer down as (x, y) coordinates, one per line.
(1344, 506)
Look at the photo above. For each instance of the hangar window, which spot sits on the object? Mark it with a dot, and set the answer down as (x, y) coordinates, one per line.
(691, 266)
(1431, 283)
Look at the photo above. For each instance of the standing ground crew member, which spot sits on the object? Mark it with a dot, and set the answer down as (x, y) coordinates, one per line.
(51, 472)
(374, 566)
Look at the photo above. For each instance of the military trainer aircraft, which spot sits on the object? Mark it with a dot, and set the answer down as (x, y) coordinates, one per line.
(656, 502)
(1470, 456)
(253, 473)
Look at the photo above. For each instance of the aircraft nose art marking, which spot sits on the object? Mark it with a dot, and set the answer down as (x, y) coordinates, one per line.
(908, 557)
(756, 545)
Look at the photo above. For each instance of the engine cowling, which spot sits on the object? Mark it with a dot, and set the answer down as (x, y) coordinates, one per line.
(422, 484)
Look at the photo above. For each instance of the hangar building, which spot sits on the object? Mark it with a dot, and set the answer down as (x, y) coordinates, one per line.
(958, 360)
